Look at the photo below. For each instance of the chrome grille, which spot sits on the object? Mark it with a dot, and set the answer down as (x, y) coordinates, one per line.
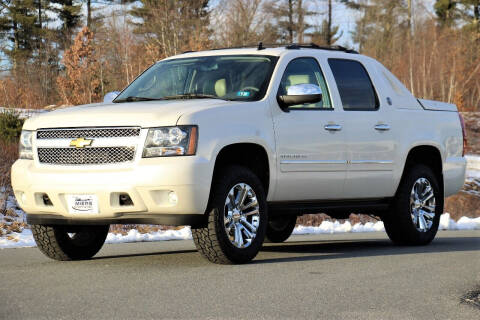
(88, 133)
(73, 156)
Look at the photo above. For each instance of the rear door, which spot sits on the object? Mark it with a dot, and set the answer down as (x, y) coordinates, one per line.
(371, 146)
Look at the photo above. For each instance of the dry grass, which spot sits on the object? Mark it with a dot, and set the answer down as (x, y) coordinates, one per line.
(8, 155)
(8, 227)
(463, 204)
(317, 219)
(472, 124)
(142, 228)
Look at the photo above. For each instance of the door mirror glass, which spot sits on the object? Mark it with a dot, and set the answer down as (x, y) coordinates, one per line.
(303, 89)
(304, 93)
(109, 97)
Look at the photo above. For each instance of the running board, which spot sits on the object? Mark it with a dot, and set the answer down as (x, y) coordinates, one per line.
(334, 208)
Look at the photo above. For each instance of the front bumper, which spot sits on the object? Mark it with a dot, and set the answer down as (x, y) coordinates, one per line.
(148, 183)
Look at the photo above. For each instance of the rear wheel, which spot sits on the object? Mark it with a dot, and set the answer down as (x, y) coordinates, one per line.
(417, 207)
(237, 218)
(280, 229)
(69, 242)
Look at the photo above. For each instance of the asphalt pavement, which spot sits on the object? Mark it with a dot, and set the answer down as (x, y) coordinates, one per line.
(341, 276)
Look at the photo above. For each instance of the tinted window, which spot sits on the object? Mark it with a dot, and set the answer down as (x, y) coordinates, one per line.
(305, 70)
(354, 85)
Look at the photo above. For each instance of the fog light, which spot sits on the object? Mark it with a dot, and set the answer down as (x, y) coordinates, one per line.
(24, 197)
(46, 200)
(125, 200)
(172, 197)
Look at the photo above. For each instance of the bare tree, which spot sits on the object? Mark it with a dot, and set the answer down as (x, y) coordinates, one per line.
(239, 21)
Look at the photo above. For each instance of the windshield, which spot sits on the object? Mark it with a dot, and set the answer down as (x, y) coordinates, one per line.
(243, 78)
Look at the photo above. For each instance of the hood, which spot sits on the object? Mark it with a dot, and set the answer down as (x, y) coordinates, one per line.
(144, 114)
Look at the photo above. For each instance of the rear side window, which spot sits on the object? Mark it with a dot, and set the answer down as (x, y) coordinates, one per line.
(354, 85)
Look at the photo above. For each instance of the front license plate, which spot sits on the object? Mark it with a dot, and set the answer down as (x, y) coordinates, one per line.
(82, 203)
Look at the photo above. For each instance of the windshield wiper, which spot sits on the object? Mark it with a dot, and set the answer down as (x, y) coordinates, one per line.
(133, 98)
(193, 96)
(174, 97)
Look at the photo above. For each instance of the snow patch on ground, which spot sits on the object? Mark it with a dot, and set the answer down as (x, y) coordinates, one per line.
(135, 236)
(329, 227)
(25, 238)
(18, 240)
(472, 180)
(464, 223)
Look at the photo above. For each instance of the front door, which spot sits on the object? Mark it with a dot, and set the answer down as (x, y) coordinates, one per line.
(310, 141)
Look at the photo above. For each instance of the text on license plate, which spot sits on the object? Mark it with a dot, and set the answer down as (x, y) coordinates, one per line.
(81, 203)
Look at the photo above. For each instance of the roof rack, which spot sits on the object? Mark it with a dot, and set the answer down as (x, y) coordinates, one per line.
(259, 46)
(293, 46)
(315, 46)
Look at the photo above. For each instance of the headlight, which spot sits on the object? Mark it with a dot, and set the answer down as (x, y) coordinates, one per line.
(25, 148)
(171, 141)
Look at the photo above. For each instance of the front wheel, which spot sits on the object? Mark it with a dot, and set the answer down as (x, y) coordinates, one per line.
(69, 242)
(417, 207)
(237, 218)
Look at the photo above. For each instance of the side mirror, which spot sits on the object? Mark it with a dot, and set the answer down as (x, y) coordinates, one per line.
(300, 94)
(109, 97)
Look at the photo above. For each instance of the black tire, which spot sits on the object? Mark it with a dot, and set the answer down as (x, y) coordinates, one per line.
(280, 229)
(398, 221)
(212, 240)
(56, 243)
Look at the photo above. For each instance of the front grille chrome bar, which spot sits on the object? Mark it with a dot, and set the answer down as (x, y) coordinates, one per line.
(73, 133)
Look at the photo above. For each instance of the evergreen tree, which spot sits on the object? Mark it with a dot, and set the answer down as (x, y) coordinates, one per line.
(19, 28)
(446, 12)
(472, 14)
(327, 33)
(383, 25)
(290, 18)
(94, 21)
(465, 13)
(69, 14)
(29, 46)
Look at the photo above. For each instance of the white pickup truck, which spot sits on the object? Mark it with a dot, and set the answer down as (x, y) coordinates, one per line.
(237, 143)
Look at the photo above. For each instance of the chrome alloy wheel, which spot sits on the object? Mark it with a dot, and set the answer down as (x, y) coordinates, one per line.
(242, 215)
(422, 205)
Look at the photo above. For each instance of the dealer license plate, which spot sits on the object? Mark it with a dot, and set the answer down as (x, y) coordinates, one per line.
(82, 203)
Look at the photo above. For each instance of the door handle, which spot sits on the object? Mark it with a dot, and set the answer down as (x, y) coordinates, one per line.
(382, 127)
(333, 127)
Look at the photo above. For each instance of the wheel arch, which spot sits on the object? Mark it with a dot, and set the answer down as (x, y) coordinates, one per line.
(428, 155)
(248, 154)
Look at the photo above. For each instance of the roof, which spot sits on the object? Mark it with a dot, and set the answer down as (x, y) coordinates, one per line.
(260, 49)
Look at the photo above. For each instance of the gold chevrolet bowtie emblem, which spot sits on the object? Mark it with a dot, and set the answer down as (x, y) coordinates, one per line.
(81, 143)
